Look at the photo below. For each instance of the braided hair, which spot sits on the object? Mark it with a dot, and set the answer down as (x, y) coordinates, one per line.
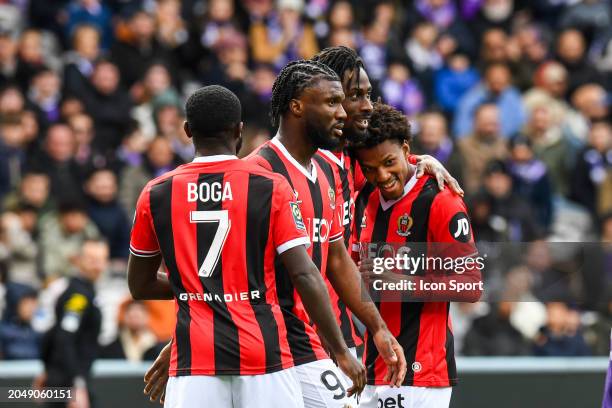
(293, 79)
(341, 59)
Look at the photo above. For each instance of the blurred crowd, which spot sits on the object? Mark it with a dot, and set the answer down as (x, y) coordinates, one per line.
(512, 96)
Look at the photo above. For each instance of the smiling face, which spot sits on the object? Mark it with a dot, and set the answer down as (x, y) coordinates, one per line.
(323, 113)
(386, 166)
(357, 104)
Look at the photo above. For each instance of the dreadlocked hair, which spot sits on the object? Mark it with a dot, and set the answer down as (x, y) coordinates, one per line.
(341, 59)
(291, 82)
(386, 123)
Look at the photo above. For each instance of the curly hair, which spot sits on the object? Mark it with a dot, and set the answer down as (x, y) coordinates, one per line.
(386, 123)
(291, 82)
(341, 59)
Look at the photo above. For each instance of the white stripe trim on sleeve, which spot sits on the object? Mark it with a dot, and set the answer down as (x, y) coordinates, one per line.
(144, 254)
(337, 237)
(292, 244)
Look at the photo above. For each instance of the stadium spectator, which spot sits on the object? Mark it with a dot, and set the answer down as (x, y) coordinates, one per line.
(494, 48)
(571, 52)
(33, 191)
(528, 314)
(514, 214)
(484, 145)
(562, 335)
(169, 122)
(104, 210)
(402, 91)
(79, 62)
(171, 28)
(62, 234)
(135, 341)
(157, 90)
(530, 180)
(93, 12)
(433, 139)
(21, 246)
(108, 105)
(8, 57)
(591, 102)
(44, 96)
(528, 50)
(552, 144)
(30, 58)
(496, 88)
(284, 37)
(494, 334)
(134, 53)
(18, 340)
(159, 159)
(592, 165)
(453, 80)
(12, 153)
(373, 49)
(57, 161)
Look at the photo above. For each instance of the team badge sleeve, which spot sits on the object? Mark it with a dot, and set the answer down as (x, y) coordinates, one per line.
(143, 241)
(288, 227)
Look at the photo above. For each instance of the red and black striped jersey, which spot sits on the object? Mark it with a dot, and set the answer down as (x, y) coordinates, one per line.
(346, 189)
(424, 214)
(219, 223)
(320, 200)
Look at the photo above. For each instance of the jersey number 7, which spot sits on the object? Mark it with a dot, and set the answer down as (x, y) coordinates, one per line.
(212, 257)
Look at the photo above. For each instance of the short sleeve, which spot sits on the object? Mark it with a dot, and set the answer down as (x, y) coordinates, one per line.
(450, 225)
(143, 241)
(288, 227)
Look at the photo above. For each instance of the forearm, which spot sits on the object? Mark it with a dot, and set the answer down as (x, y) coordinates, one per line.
(315, 298)
(157, 290)
(346, 281)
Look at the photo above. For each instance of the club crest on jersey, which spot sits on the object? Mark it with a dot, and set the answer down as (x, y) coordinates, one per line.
(363, 221)
(297, 216)
(332, 198)
(404, 223)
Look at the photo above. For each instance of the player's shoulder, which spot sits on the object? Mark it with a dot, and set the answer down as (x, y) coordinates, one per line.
(447, 200)
(257, 156)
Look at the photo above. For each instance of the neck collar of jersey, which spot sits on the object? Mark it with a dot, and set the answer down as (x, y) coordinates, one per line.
(332, 156)
(214, 158)
(407, 187)
(310, 175)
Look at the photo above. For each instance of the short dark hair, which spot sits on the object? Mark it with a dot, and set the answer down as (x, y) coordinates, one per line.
(340, 59)
(291, 82)
(386, 123)
(211, 110)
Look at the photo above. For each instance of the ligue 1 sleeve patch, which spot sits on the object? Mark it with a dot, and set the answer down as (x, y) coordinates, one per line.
(459, 227)
(297, 216)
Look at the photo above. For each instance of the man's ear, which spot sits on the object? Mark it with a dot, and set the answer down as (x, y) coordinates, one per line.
(187, 130)
(238, 136)
(406, 149)
(296, 107)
